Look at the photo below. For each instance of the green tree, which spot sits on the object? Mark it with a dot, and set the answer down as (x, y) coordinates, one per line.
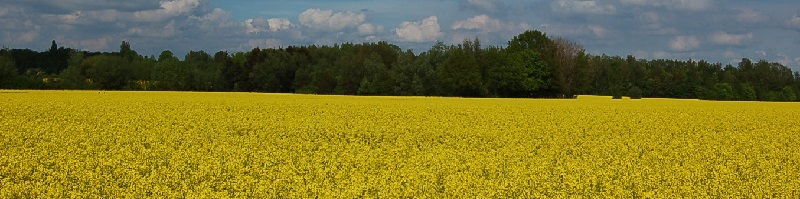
(723, 91)
(535, 74)
(460, 74)
(748, 93)
(126, 52)
(789, 94)
(172, 74)
(166, 54)
(378, 80)
(110, 72)
(567, 56)
(403, 73)
(8, 70)
(74, 76)
(635, 92)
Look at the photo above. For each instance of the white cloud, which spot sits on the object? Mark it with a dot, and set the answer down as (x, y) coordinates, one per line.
(484, 23)
(256, 25)
(175, 7)
(369, 29)
(730, 39)
(420, 31)
(215, 21)
(261, 24)
(169, 8)
(583, 7)
(277, 24)
(684, 43)
(689, 5)
(486, 28)
(328, 20)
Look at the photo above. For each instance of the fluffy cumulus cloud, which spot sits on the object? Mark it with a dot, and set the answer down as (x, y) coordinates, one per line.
(487, 24)
(328, 20)
(169, 8)
(420, 31)
(277, 24)
(485, 28)
(583, 7)
(256, 25)
(260, 24)
(684, 43)
(724, 38)
(369, 29)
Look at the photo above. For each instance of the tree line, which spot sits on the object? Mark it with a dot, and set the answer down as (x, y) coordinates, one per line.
(532, 65)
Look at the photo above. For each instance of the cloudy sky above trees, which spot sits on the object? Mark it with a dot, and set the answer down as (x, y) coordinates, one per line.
(716, 30)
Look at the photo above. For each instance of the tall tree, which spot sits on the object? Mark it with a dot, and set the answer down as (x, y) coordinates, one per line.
(110, 72)
(460, 73)
(8, 70)
(74, 76)
(567, 56)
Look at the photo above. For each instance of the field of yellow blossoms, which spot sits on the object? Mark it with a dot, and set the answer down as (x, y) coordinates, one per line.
(85, 144)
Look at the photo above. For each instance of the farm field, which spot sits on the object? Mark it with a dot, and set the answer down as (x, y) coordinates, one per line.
(85, 144)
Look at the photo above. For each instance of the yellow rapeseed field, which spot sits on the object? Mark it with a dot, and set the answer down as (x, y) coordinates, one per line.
(85, 144)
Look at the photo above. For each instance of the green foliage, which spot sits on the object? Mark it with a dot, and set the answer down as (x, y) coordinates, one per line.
(166, 54)
(377, 81)
(535, 73)
(788, 94)
(460, 74)
(532, 66)
(8, 69)
(74, 76)
(171, 74)
(110, 72)
(635, 92)
(748, 93)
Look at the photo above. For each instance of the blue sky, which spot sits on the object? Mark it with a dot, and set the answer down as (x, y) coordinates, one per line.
(715, 30)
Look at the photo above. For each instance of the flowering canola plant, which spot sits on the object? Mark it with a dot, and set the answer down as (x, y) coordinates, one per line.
(85, 144)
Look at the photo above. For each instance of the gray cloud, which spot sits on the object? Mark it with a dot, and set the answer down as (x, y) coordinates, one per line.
(724, 38)
(684, 43)
(328, 20)
(672, 29)
(687, 5)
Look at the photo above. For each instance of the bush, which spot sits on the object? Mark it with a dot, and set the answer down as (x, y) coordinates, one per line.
(635, 93)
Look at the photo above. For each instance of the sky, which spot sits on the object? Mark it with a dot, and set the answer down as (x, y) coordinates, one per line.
(715, 30)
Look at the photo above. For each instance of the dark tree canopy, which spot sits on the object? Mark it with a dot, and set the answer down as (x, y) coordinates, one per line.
(531, 66)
